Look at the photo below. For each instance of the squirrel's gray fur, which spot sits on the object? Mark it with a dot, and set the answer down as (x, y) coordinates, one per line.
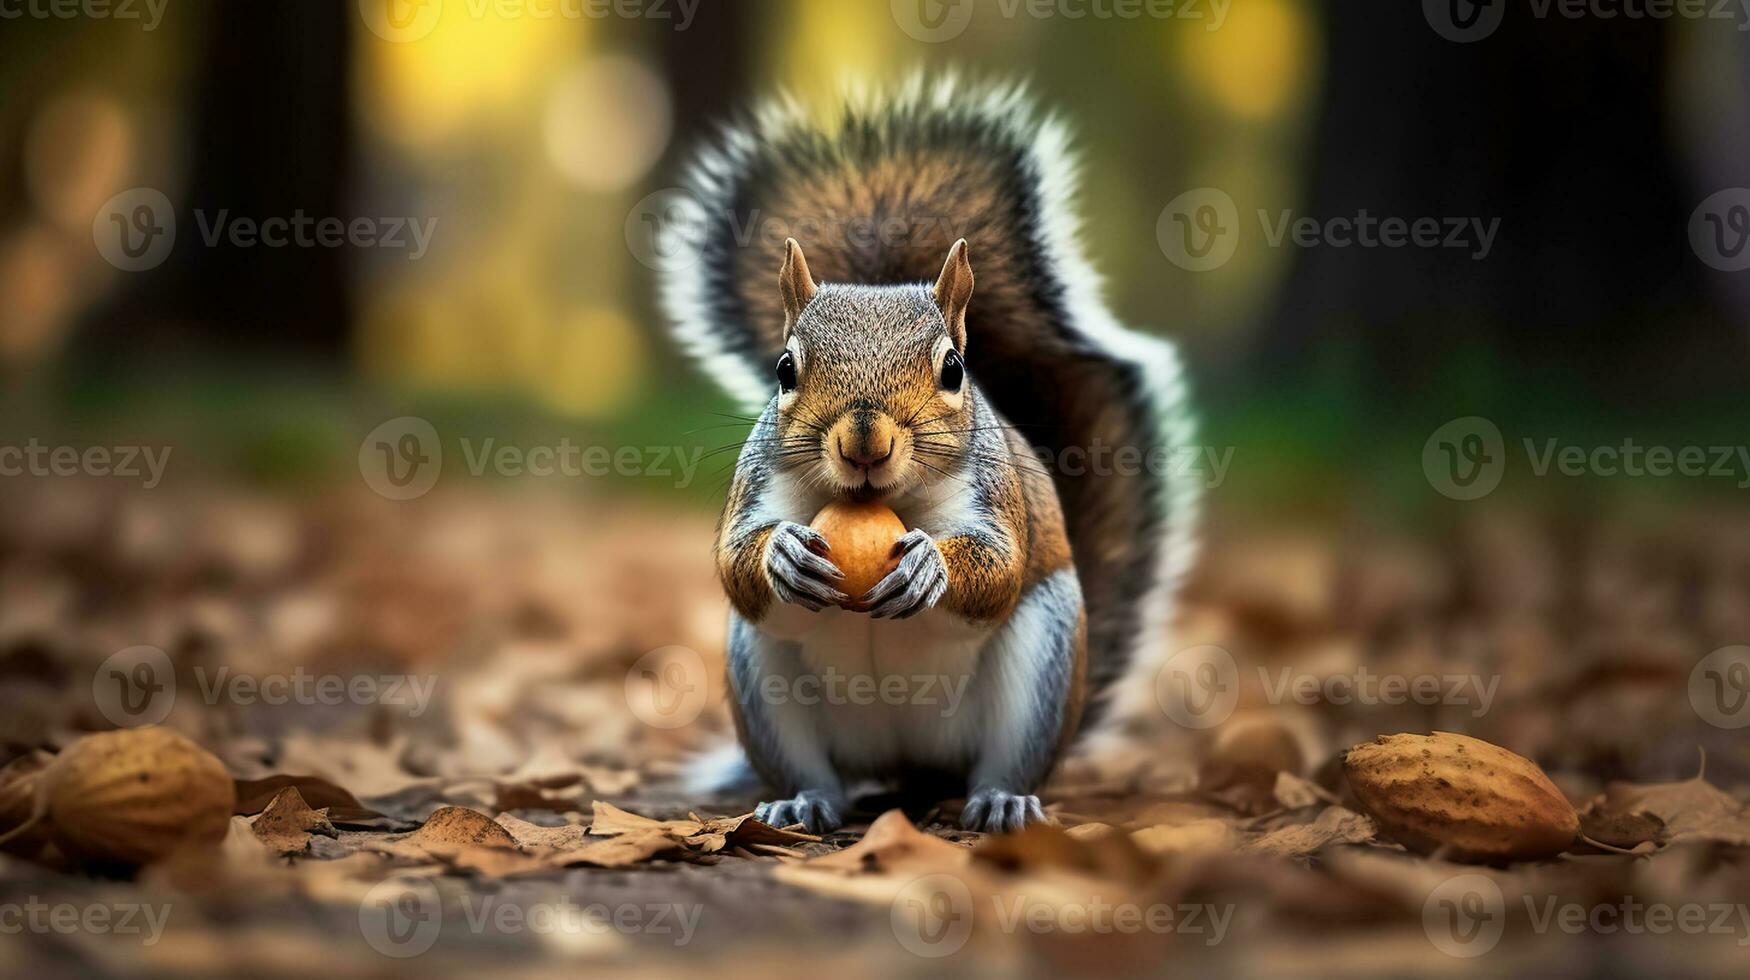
(880, 194)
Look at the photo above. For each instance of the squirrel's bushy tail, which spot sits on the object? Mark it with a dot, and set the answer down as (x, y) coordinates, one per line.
(876, 196)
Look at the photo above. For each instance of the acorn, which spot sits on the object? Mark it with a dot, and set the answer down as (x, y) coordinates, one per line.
(132, 796)
(1461, 797)
(861, 536)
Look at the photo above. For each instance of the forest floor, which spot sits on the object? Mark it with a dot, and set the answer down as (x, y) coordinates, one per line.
(456, 727)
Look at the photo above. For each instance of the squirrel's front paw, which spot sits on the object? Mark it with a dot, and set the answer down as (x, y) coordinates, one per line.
(810, 808)
(799, 571)
(917, 584)
(996, 811)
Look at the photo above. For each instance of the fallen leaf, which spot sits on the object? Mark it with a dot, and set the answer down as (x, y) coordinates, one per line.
(18, 785)
(1336, 825)
(288, 822)
(891, 846)
(1185, 838)
(610, 819)
(1042, 847)
(255, 795)
(1624, 830)
(1693, 809)
(743, 831)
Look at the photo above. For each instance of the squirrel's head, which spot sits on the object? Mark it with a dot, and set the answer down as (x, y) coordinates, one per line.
(872, 391)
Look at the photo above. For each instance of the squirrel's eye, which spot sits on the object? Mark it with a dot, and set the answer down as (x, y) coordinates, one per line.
(953, 371)
(786, 372)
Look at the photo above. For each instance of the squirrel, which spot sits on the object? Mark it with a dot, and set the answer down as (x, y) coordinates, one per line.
(880, 373)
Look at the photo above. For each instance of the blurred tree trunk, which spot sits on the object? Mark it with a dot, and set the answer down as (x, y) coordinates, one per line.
(271, 135)
(1561, 128)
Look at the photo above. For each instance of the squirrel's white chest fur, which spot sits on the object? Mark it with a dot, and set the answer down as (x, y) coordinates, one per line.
(887, 690)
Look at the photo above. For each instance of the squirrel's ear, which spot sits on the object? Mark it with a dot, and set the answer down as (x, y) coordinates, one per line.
(794, 282)
(954, 291)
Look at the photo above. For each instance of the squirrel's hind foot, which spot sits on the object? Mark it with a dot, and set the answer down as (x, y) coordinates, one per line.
(996, 811)
(809, 808)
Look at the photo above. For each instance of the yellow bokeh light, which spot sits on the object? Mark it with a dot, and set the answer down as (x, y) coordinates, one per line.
(594, 365)
(607, 122)
(1258, 64)
(467, 67)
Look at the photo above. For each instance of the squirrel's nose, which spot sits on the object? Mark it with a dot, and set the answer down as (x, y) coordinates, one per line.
(863, 454)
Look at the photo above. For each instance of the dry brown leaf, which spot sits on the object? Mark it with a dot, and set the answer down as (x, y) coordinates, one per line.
(1185, 838)
(1042, 847)
(1336, 825)
(891, 846)
(744, 831)
(1624, 830)
(254, 796)
(535, 835)
(1693, 809)
(18, 792)
(288, 822)
(610, 819)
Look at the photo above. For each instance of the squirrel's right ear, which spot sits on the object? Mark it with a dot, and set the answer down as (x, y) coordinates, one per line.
(794, 282)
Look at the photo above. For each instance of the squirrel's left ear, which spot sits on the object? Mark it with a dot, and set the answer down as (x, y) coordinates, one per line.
(954, 291)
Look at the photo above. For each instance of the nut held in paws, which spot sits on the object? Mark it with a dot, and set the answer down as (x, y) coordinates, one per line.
(861, 536)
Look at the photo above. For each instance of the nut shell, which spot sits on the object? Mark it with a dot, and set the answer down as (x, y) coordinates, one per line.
(1468, 799)
(861, 536)
(135, 795)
